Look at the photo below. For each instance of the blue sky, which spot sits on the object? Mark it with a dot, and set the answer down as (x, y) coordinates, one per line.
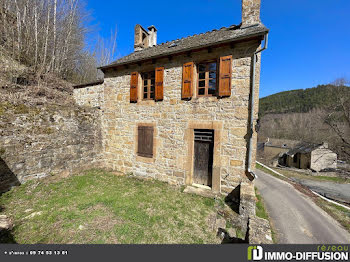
(308, 43)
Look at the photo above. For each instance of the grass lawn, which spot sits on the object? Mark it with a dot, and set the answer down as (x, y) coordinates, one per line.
(100, 207)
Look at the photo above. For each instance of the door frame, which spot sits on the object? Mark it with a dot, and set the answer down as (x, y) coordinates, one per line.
(217, 126)
(209, 156)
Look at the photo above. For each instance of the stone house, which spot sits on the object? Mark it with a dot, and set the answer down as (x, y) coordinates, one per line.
(274, 146)
(184, 111)
(310, 156)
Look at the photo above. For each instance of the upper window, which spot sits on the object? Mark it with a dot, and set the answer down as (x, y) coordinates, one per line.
(148, 85)
(207, 79)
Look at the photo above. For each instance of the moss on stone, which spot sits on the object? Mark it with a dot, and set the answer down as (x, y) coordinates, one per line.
(2, 151)
(21, 109)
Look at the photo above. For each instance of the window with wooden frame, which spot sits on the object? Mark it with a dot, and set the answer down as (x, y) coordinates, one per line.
(145, 141)
(149, 81)
(207, 79)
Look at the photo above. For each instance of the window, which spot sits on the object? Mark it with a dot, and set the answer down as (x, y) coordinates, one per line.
(207, 79)
(148, 85)
(145, 141)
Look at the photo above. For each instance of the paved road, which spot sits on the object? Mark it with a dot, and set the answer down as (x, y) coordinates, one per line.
(296, 219)
(340, 192)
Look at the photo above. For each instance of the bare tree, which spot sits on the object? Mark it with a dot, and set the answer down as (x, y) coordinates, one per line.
(338, 118)
(50, 35)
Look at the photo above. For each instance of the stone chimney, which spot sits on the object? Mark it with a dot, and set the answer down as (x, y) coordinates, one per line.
(141, 38)
(250, 12)
(152, 32)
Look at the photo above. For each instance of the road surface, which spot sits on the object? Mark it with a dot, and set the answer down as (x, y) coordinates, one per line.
(340, 192)
(296, 218)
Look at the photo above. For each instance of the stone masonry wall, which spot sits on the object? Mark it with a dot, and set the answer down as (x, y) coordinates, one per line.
(174, 120)
(91, 96)
(46, 141)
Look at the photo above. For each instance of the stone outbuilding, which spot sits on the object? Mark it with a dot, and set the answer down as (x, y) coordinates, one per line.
(310, 156)
(184, 111)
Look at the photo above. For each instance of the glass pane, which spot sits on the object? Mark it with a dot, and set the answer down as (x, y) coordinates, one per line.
(212, 67)
(152, 95)
(212, 83)
(201, 67)
(153, 82)
(201, 75)
(145, 89)
(145, 95)
(212, 74)
(145, 82)
(201, 83)
(152, 88)
(211, 91)
(201, 91)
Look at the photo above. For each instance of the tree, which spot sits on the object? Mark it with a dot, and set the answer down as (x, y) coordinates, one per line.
(338, 118)
(50, 35)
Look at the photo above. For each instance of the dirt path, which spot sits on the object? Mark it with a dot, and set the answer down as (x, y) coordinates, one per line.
(295, 217)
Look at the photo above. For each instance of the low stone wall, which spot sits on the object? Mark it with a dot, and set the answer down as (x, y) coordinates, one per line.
(38, 142)
(91, 96)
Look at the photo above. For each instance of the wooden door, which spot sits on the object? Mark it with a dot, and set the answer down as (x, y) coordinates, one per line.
(203, 157)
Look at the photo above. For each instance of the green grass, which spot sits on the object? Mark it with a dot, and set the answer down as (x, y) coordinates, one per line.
(262, 213)
(342, 215)
(295, 174)
(260, 207)
(100, 207)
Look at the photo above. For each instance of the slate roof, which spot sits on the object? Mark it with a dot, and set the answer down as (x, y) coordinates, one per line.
(214, 37)
(282, 143)
(95, 83)
(303, 148)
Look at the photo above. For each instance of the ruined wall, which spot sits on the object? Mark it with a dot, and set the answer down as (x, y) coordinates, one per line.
(174, 120)
(38, 142)
(91, 96)
(322, 158)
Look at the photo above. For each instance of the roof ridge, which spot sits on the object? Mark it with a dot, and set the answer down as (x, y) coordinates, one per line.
(222, 35)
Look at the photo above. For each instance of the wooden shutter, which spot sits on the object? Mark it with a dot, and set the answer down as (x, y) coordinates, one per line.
(187, 80)
(145, 141)
(159, 83)
(225, 76)
(133, 86)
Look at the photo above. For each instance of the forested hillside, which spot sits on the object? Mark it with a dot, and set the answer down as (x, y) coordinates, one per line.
(316, 115)
(302, 101)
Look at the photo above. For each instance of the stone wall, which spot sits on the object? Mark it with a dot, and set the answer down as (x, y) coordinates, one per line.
(38, 142)
(175, 119)
(323, 158)
(91, 96)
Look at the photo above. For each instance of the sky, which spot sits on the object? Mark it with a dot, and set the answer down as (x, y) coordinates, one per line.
(308, 40)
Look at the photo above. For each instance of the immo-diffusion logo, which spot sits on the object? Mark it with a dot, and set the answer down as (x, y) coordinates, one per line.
(332, 253)
(255, 253)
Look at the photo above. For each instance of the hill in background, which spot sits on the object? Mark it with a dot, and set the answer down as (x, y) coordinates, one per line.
(303, 101)
(315, 115)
